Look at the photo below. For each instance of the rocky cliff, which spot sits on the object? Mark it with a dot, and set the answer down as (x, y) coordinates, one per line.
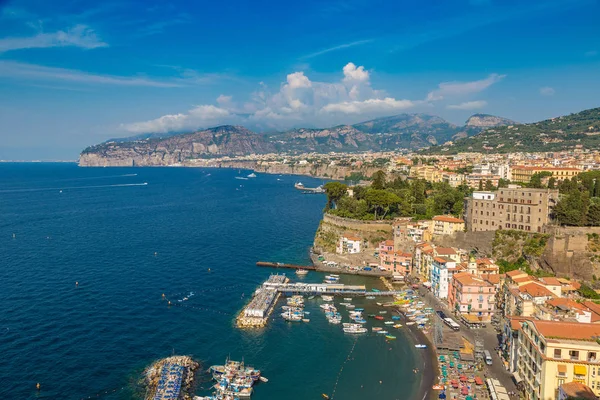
(487, 121)
(220, 141)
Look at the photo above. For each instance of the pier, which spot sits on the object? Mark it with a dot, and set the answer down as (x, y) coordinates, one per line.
(282, 265)
(256, 313)
(171, 378)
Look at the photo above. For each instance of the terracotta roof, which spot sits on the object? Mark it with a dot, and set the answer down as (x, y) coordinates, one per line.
(445, 251)
(576, 285)
(494, 279)
(447, 218)
(536, 290)
(549, 280)
(387, 243)
(487, 261)
(567, 330)
(578, 390)
(467, 279)
(523, 279)
(516, 272)
(564, 302)
(544, 168)
(441, 260)
(593, 307)
(353, 238)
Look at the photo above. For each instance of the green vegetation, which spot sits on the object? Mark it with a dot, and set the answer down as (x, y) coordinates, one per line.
(588, 292)
(397, 198)
(356, 177)
(579, 204)
(581, 129)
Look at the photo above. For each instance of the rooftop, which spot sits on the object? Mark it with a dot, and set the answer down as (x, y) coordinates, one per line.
(566, 330)
(578, 390)
(448, 218)
(467, 279)
(536, 290)
(445, 251)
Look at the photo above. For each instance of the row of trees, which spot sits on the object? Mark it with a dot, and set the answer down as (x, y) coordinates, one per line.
(397, 198)
(579, 203)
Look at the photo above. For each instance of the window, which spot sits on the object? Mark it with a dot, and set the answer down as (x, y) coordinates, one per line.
(592, 357)
(574, 354)
(557, 353)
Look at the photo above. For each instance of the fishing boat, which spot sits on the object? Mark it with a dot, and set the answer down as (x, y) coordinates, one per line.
(301, 272)
(347, 299)
(397, 326)
(383, 332)
(382, 312)
(421, 346)
(379, 317)
(389, 322)
(327, 298)
(390, 337)
(305, 320)
(376, 328)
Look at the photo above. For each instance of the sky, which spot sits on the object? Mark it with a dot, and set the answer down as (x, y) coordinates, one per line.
(74, 73)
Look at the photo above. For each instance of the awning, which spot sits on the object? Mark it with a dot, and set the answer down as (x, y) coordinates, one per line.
(518, 378)
(579, 370)
(562, 368)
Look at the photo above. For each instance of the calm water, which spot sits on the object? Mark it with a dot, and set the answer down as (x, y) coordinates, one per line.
(127, 245)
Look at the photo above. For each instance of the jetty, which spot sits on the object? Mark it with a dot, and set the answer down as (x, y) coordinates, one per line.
(307, 190)
(282, 265)
(171, 378)
(257, 311)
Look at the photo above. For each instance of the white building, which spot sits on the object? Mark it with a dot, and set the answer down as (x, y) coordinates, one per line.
(348, 245)
(440, 278)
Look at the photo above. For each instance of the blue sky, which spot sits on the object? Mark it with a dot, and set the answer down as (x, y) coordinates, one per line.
(74, 73)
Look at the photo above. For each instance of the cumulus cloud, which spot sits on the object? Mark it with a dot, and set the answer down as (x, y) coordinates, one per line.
(547, 91)
(300, 101)
(450, 89)
(197, 116)
(469, 105)
(80, 36)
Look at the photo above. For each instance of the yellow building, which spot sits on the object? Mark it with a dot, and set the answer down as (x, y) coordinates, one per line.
(447, 225)
(523, 174)
(552, 353)
(429, 173)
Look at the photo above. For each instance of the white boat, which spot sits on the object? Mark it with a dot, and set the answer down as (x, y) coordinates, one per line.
(355, 329)
(421, 346)
(383, 332)
(327, 298)
(410, 323)
(241, 178)
(347, 299)
(350, 306)
(305, 320)
(263, 379)
(370, 297)
(344, 304)
(301, 271)
(389, 322)
(252, 175)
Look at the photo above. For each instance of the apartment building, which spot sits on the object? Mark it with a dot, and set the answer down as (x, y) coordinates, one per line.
(552, 353)
(523, 209)
(523, 174)
(348, 244)
(472, 297)
(447, 225)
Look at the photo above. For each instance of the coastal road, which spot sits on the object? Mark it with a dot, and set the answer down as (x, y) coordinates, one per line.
(488, 335)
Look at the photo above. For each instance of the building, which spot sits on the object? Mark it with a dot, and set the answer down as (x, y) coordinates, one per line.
(440, 276)
(348, 244)
(523, 174)
(396, 261)
(447, 225)
(523, 209)
(472, 298)
(575, 391)
(453, 179)
(552, 353)
(429, 173)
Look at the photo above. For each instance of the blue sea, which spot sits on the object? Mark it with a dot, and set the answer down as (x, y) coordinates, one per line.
(126, 243)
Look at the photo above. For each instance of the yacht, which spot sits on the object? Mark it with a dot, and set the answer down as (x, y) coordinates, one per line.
(252, 175)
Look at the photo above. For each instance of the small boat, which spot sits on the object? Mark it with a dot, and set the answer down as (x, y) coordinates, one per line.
(390, 337)
(325, 396)
(410, 323)
(241, 178)
(375, 290)
(389, 322)
(305, 320)
(395, 317)
(359, 309)
(379, 304)
(252, 175)
(397, 326)
(327, 298)
(379, 317)
(383, 332)
(311, 297)
(347, 299)
(306, 312)
(350, 306)
(421, 346)
(263, 379)
(382, 312)
(371, 315)
(370, 297)
(301, 272)
(376, 328)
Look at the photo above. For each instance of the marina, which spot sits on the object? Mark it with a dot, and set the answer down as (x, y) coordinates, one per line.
(256, 313)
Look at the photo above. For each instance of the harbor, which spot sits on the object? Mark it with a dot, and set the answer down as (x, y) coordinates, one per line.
(256, 313)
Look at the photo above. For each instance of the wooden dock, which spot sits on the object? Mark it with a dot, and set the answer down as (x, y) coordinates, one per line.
(282, 265)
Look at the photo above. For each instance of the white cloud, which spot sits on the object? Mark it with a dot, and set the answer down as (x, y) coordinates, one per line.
(298, 80)
(197, 116)
(449, 89)
(32, 72)
(547, 91)
(78, 36)
(352, 73)
(387, 104)
(469, 105)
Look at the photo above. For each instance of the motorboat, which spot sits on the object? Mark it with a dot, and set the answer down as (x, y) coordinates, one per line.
(252, 175)
(301, 272)
(421, 346)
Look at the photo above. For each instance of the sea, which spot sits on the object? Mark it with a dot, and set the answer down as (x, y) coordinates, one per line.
(86, 255)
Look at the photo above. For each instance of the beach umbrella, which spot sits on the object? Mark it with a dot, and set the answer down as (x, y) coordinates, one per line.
(442, 395)
(463, 378)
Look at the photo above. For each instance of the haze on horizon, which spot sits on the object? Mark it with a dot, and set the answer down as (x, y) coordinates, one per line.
(76, 74)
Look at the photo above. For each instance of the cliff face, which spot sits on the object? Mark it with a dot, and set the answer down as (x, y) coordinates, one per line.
(220, 141)
(487, 121)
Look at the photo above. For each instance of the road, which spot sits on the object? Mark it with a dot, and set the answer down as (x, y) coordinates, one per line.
(488, 335)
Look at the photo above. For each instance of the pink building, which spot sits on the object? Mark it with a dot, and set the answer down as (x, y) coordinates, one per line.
(472, 297)
(394, 261)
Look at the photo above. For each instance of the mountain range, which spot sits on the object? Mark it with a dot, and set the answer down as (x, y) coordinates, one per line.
(403, 131)
(579, 130)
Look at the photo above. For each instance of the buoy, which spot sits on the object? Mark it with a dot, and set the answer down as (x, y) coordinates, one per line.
(169, 302)
(163, 295)
(38, 386)
(209, 270)
(155, 253)
(76, 283)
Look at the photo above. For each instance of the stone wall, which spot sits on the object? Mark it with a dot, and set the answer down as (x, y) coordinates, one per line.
(569, 253)
(468, 240)
(332, 227)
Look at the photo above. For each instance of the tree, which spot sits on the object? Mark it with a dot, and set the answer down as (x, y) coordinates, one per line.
(552, 183)
(418, 191)
(536, 179)
(572, 209)
(378, 180)
(481, 185)
(489, 185)
(593, 214)
(503, 183)
(334, 191)
(381, 201)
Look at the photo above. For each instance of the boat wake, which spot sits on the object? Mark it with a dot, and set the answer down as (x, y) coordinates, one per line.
(72, 188)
